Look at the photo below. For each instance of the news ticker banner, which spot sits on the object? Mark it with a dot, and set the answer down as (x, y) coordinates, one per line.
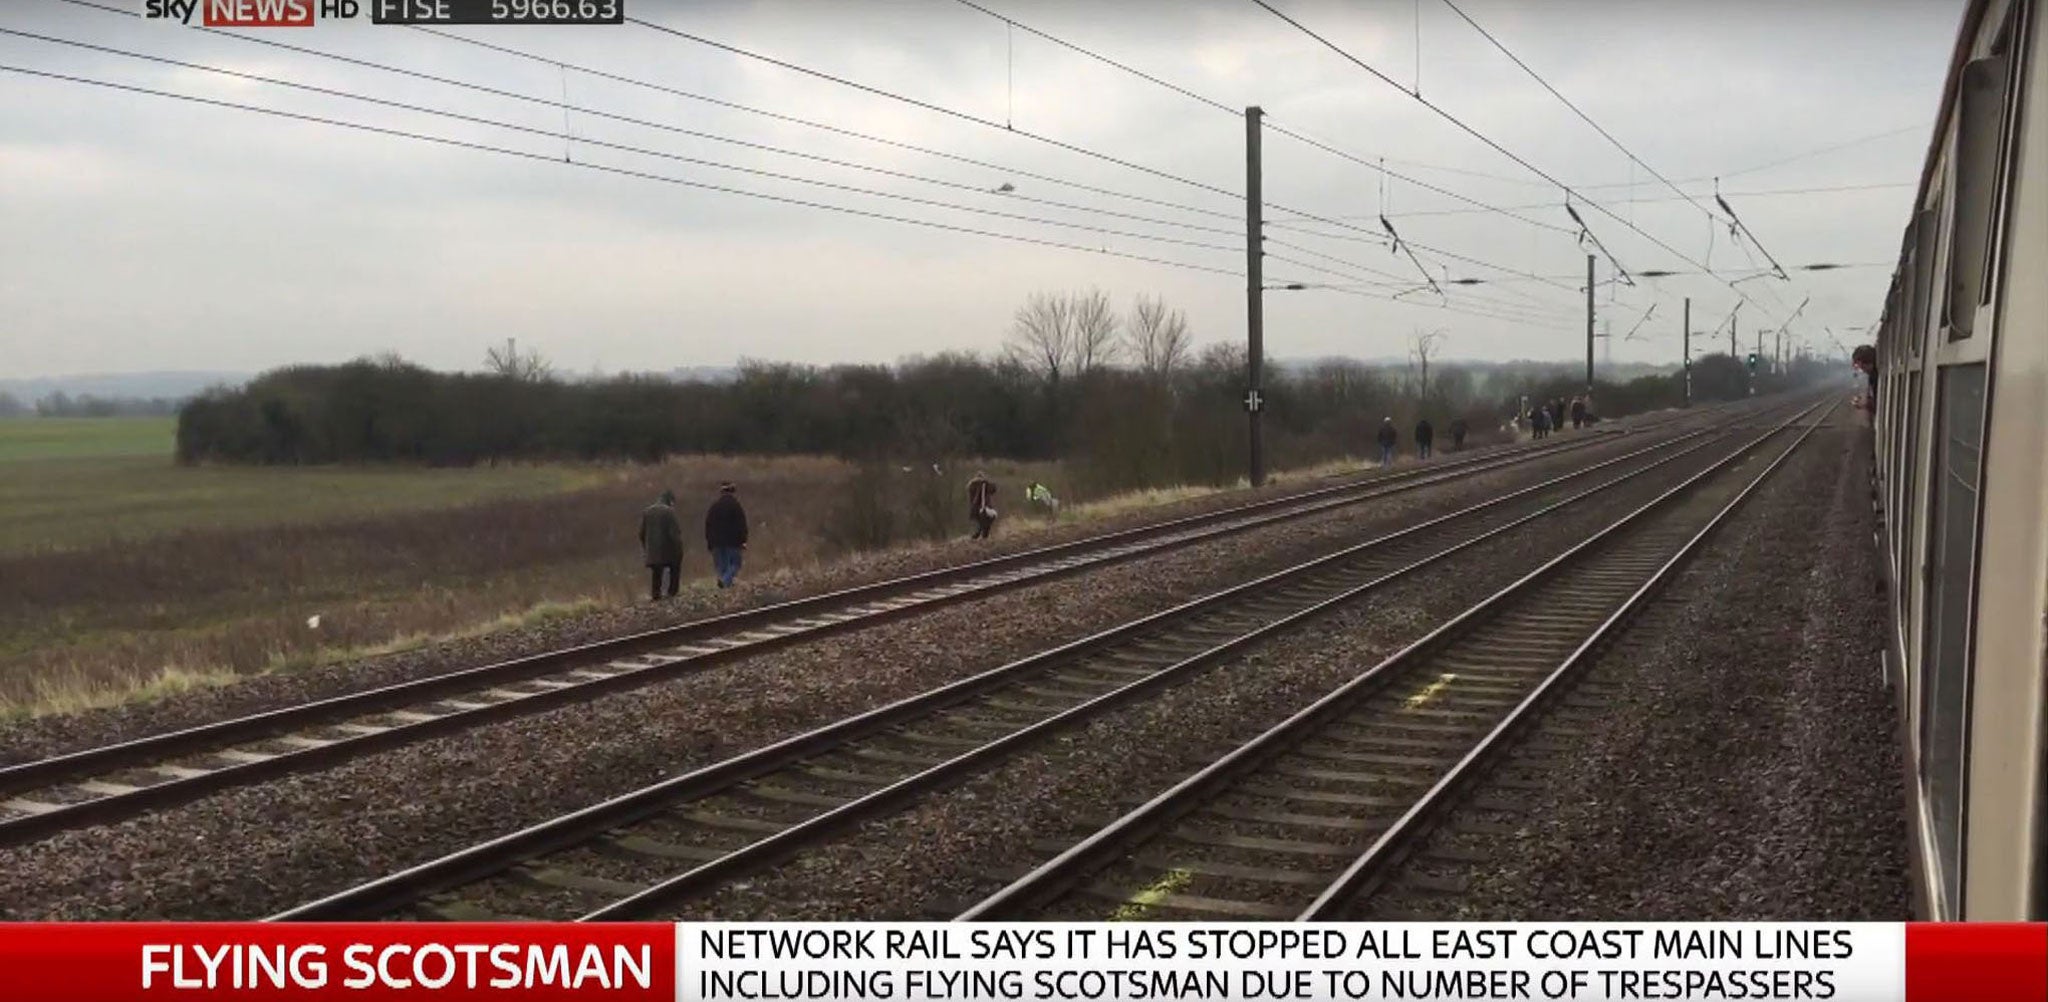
(916, 962)
(307, 13)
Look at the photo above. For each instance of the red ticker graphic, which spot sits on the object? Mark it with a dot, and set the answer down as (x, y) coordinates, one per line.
(258, 13)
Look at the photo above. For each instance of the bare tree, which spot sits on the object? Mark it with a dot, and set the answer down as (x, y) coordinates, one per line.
(1158, 337)
(510, 362)
(1095, 331)
(1426, 346)
(1042, 336)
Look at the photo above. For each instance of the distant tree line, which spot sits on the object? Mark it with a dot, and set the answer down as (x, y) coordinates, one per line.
(1124, 397)
(65, 405)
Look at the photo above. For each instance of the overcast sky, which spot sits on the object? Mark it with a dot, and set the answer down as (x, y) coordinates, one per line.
(138, 232)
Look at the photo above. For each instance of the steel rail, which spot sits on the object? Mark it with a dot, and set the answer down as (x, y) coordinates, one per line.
(716, 640)
(485, 860)
(1372, 865)
(1055, 877)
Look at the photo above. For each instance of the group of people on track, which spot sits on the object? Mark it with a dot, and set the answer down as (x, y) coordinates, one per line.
(1389, 438)
(725, 520)
(1547, 417)
(661, 540)
(725, 531)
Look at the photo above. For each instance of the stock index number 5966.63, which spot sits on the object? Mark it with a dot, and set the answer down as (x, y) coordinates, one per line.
(558, 11)
(497, 11)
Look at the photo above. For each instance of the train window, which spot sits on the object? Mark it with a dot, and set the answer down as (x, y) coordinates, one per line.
(1909, 506)
(1925, 227)
(1951, 576)
(1980, 127)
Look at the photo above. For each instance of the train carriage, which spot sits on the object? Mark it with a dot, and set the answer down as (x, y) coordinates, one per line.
(1962, 479)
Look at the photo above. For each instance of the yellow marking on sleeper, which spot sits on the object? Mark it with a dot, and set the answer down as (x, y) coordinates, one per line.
(1430, 690)
(1142, 903)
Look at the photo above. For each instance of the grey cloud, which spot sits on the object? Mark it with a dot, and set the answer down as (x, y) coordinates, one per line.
(144, 234)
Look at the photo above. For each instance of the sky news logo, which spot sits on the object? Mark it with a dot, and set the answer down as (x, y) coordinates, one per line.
(251, 13)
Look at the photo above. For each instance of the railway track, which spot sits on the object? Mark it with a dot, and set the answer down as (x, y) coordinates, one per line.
(112, 782)
(685, 836)
(1301, 820)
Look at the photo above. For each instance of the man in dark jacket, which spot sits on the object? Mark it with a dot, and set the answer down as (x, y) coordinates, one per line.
(661, 541)
(1388, 438)
(1578, 412)
(725, 534)
(981, 504)
(1457, 434)
(1425, 436)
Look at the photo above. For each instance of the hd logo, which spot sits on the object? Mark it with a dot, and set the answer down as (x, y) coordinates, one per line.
(250, 13)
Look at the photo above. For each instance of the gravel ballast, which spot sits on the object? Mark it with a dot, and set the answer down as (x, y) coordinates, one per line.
(252, 851)
(1740, 766)
(962, 843)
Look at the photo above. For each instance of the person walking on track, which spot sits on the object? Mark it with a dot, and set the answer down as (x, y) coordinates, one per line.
(981, 504)
(1388, 438)
(1578, 412)
(661, 542)
(1425, 437)
(725, 534)
(1457, 434)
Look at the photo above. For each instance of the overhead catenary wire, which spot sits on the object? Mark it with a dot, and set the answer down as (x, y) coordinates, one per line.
(1921, 129)
(604, 168)
(672, 91)
(1534, 324)
(865, 88)
(563, 67)
(621, 147)
(1382, 241)
(1267, 123)
(1090, 227)
(1490, 142)
(1407, 286)
(1736, 221)
(1766, 193)
(1576, 110)
(1477, 204)
(935, 108)
(668, 179)
(970, 117)
(1099, 57)
(1202, 98)
(1858, 141)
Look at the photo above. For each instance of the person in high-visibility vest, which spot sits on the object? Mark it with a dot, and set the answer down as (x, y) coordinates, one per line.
(1038, 494)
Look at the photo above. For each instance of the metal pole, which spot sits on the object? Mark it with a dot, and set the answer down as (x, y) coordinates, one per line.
(1759, 357)
(1687, 363)
(1589, 323)
(1733, 325)
(1255, 281)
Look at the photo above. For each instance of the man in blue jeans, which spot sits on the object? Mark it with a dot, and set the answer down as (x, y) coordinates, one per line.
(725, 534)
(1387, 439)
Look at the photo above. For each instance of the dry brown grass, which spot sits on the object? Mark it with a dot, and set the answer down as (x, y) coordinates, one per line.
(92, 626)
